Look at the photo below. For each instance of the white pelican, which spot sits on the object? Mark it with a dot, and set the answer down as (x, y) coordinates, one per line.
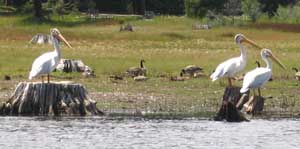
(47, 62)
(260, 75)
(234, 65)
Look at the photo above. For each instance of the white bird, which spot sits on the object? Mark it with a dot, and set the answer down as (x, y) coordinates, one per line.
(259, 76)
(234, 65)
(47, 62)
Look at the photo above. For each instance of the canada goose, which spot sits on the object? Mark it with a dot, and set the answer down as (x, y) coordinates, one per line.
(191, 70)
(116, 77)
(178, 78)
(297, 74)
(140, 78)
(137, 71)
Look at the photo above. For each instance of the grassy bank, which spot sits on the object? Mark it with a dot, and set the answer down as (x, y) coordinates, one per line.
(167, 44)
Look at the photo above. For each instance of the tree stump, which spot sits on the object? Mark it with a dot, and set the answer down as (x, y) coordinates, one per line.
(35, 98)
(229, 110)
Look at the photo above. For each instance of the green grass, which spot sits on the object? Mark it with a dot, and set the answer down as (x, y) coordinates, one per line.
(167, 44)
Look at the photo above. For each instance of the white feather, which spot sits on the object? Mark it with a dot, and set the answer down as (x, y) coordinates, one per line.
(44, 64)
(229, 68)
(256, 78)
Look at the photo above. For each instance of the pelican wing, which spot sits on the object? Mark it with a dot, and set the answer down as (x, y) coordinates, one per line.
(227, 68)
(256, 78)
(44, 64)
(40, 39)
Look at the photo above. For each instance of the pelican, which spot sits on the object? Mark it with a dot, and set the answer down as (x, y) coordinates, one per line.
(234, 65)
(47, 62)
(259, 76)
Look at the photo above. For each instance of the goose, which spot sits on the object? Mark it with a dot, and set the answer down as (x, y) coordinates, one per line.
(137, 71)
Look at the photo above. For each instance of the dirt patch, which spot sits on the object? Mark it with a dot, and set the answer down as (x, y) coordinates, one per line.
(277, 26)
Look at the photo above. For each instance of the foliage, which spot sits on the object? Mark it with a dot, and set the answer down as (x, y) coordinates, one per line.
(288, 14)
(199, 8)
(251, 8)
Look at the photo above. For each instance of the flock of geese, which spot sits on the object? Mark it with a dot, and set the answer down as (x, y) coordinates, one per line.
(254, 79)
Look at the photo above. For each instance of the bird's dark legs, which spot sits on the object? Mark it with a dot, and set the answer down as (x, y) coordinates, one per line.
(42, 79)
(48, 76)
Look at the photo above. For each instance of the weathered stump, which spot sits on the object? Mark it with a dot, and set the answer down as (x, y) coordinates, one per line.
(229, 110)
(34, 98)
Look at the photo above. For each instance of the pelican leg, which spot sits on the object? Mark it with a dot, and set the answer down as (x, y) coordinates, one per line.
(259, 93)
(247, 105)
(48, 76)
(229, 82)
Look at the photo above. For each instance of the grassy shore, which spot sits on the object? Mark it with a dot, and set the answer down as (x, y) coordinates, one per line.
(167, 44)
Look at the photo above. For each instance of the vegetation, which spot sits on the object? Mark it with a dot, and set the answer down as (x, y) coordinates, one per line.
(167, 44)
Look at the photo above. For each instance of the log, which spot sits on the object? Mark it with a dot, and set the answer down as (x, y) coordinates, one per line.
(71, 65)
(60, 98)
(229, 110)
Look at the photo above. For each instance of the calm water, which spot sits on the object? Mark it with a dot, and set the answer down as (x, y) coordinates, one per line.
(97, 132)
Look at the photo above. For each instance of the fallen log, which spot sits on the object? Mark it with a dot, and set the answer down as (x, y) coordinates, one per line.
(60, 98)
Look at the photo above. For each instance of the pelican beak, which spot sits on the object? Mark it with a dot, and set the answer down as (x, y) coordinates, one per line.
(252, 43)
(61, 37)
(274, 58)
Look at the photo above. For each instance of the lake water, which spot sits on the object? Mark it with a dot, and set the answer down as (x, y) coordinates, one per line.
(105, 132)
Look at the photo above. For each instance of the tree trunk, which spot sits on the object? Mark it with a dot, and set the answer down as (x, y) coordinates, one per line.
(49, 99)
(37, 4)
(229, 110)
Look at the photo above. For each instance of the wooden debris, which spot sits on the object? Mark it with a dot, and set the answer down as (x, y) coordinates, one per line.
(35, 98)
(70, 65)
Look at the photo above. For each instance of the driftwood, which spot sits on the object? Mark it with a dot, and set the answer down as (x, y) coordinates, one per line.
(68, 65)
(228, 110)
(49, 99)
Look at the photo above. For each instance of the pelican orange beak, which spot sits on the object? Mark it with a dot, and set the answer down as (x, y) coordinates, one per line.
(274, 58)
(251, 42)
(61, 37)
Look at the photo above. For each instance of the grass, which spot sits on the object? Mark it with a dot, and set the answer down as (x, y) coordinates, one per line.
(167, 44)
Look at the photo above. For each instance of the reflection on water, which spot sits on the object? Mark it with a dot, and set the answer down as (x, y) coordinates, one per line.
(101, 132)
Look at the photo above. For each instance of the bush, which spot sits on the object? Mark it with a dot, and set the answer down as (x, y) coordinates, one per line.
(252, 9)
(199, 8)
(288, 14)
